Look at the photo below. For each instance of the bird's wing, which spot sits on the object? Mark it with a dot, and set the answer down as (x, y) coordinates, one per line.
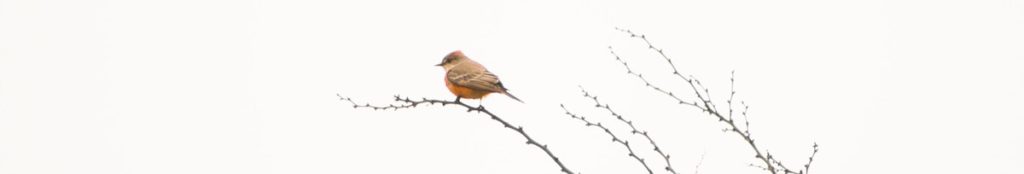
(479, 79)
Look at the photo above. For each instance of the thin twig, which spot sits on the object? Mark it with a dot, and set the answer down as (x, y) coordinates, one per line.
(606, 107)
(616, 139)
(648, 83)
(732, 87)
(706, 105)
(696, 169)
(409, 103)
(807, 167)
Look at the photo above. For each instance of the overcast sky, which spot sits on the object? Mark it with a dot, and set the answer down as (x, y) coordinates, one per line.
(233, 86)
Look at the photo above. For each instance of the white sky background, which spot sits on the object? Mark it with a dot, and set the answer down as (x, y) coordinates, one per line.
(249, 86)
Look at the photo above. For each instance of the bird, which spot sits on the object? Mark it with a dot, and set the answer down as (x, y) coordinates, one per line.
(468, 79)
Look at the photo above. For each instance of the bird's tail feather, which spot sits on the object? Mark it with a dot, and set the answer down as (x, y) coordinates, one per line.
(513, 97)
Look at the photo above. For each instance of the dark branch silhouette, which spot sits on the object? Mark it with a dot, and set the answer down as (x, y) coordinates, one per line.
(409, 103)
(634, 130)
(616, 139)
(701, 99)
(705, 104)
(807, 167)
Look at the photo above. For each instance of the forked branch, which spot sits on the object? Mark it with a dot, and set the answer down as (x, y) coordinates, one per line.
(704, 103)
(410, 103)
(633, 129)
(621, 141)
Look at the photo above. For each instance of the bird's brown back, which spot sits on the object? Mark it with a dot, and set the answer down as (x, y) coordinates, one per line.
(473, 75)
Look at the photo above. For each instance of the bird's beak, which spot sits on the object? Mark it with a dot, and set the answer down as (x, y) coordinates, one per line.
(438, 64)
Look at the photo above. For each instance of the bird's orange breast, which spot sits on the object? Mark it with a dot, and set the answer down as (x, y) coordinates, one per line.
(465, 92)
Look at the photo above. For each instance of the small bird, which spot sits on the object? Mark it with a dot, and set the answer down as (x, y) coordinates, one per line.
(467, 79)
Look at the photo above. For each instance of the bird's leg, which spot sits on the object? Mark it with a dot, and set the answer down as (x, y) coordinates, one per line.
(481, 105)
(457, 99)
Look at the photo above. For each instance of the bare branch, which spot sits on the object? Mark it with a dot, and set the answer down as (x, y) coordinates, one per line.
(660, 51)
(732, 87)
(807, 167)
(616, 139)
(606, 107)
(759, 167)
(696, 169)
(409, 103)
(705, 104)
(648, 83)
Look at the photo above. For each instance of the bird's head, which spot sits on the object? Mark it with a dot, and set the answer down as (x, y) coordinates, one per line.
(452, 59)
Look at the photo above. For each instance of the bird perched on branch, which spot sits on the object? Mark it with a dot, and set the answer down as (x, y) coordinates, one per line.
(468, 79)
